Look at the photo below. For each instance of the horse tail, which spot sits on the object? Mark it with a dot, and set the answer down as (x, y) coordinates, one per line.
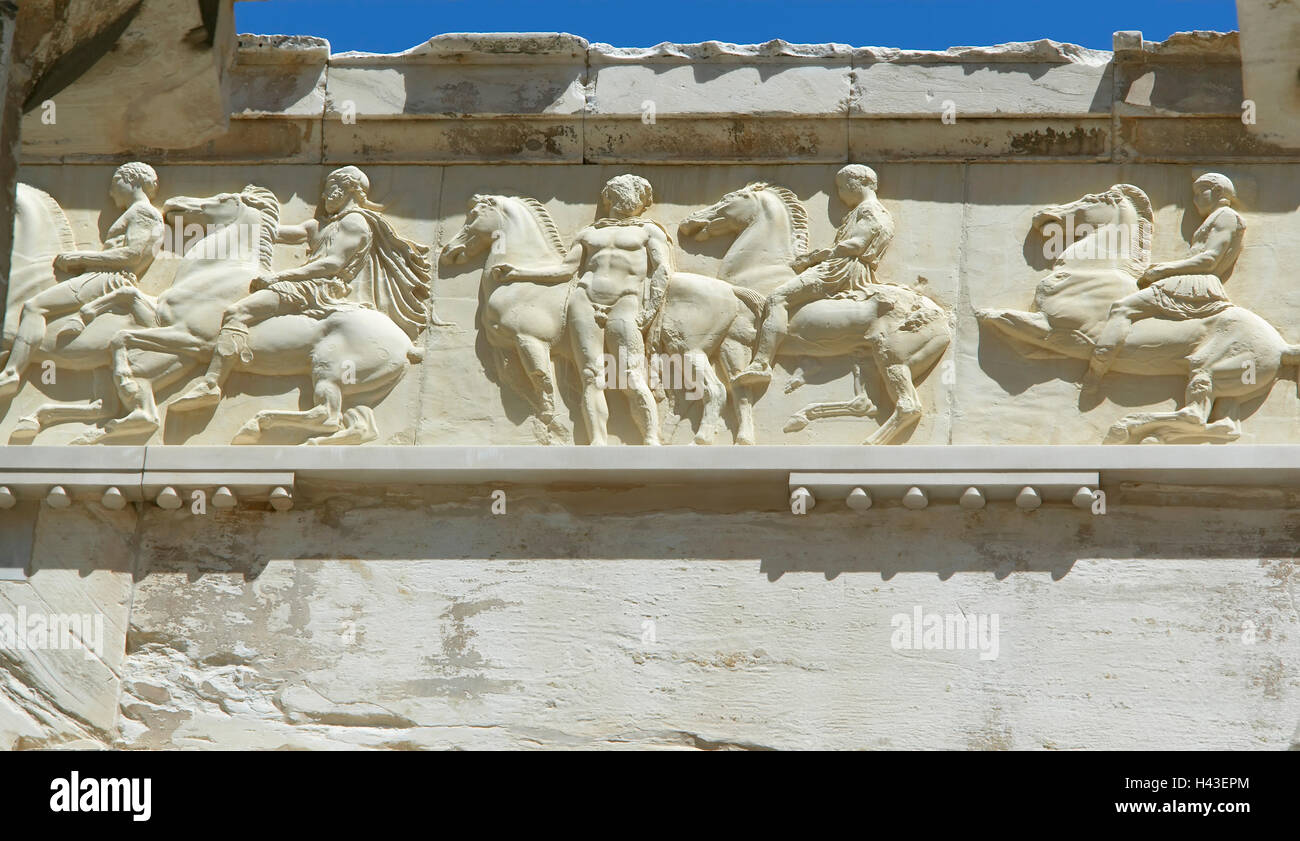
(1291, 356)
(750, 298)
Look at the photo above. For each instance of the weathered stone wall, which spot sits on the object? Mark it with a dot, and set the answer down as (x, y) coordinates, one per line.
(421, 620)
(687, 613)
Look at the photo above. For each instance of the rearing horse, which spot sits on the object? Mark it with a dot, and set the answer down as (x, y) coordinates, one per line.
(358, 354)
(1102, 265)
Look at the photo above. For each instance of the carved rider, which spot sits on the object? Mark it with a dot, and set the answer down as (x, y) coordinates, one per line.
(847, 268)
(348, 240)
(1180, 289)
(622, 263)
(129, 250)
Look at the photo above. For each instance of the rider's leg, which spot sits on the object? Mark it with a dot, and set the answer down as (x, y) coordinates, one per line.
(1122, 315)
(775, 323)
(625, 343)
(231, 347)
(31, 331)
(125, 299)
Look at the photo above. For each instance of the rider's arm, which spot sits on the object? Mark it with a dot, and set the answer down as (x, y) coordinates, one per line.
(354, 234)
(556, 273)
(143, 237)
(295, 234)
(1224, 238)
(867, 239)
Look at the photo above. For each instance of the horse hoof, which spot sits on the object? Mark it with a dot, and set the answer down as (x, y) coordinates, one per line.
(1117, 434)
(25, 432)
(187, 403)
(249, 433)
(797, 422)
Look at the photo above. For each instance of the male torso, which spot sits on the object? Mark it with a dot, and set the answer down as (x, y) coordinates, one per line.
(615, 260)
(145, 217)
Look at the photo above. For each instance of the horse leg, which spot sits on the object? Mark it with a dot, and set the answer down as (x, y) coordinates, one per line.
(50, 414)
(705, 379)
(907, 405)
(324, 417)
(1026, 326)
(535, 355)
(1227, 424)
(859, 407)
(136, 392)
(799, 378)
(1191, 421)
(1036, 334)
(734, 356)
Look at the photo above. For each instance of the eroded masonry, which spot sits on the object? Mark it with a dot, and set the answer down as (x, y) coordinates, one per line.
(515, 391)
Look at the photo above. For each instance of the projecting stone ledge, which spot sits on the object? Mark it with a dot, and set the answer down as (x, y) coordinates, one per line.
(556, 98)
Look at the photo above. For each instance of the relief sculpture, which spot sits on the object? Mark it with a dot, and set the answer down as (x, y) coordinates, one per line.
(615, 294)
(1105, 302)
(349, 317)
(614, 284)
(840, 309)
(225, 310)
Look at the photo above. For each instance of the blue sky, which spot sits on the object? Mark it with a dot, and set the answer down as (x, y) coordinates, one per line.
(391, 26)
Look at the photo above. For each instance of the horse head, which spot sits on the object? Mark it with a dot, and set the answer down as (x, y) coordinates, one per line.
(770, 225)
(1112, 226)
(228, 226)
(730, 214)
(515, 228)
(484, 220)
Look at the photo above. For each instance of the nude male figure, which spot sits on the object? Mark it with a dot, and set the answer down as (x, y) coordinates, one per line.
(621, 264)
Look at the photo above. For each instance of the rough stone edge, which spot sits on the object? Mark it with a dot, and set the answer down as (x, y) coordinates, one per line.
(479, 48)
(281, 49)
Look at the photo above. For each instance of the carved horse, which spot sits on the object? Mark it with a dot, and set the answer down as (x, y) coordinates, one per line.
(41, 231)
(902, 332)
(524, 322)
(1214, 355)
(356, 354)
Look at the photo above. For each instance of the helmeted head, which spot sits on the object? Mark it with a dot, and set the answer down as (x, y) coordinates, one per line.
(130, 177)
(626, 196)
(1213, 190)
(855, 182)
(342, 184)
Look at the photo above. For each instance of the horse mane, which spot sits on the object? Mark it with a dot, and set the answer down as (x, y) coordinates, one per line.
(543, 219)
(798, 215)
(62, 228)
(263, 201)
(1141, 257)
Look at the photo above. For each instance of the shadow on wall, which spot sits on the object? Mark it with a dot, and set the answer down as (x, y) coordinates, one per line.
(697, 524)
